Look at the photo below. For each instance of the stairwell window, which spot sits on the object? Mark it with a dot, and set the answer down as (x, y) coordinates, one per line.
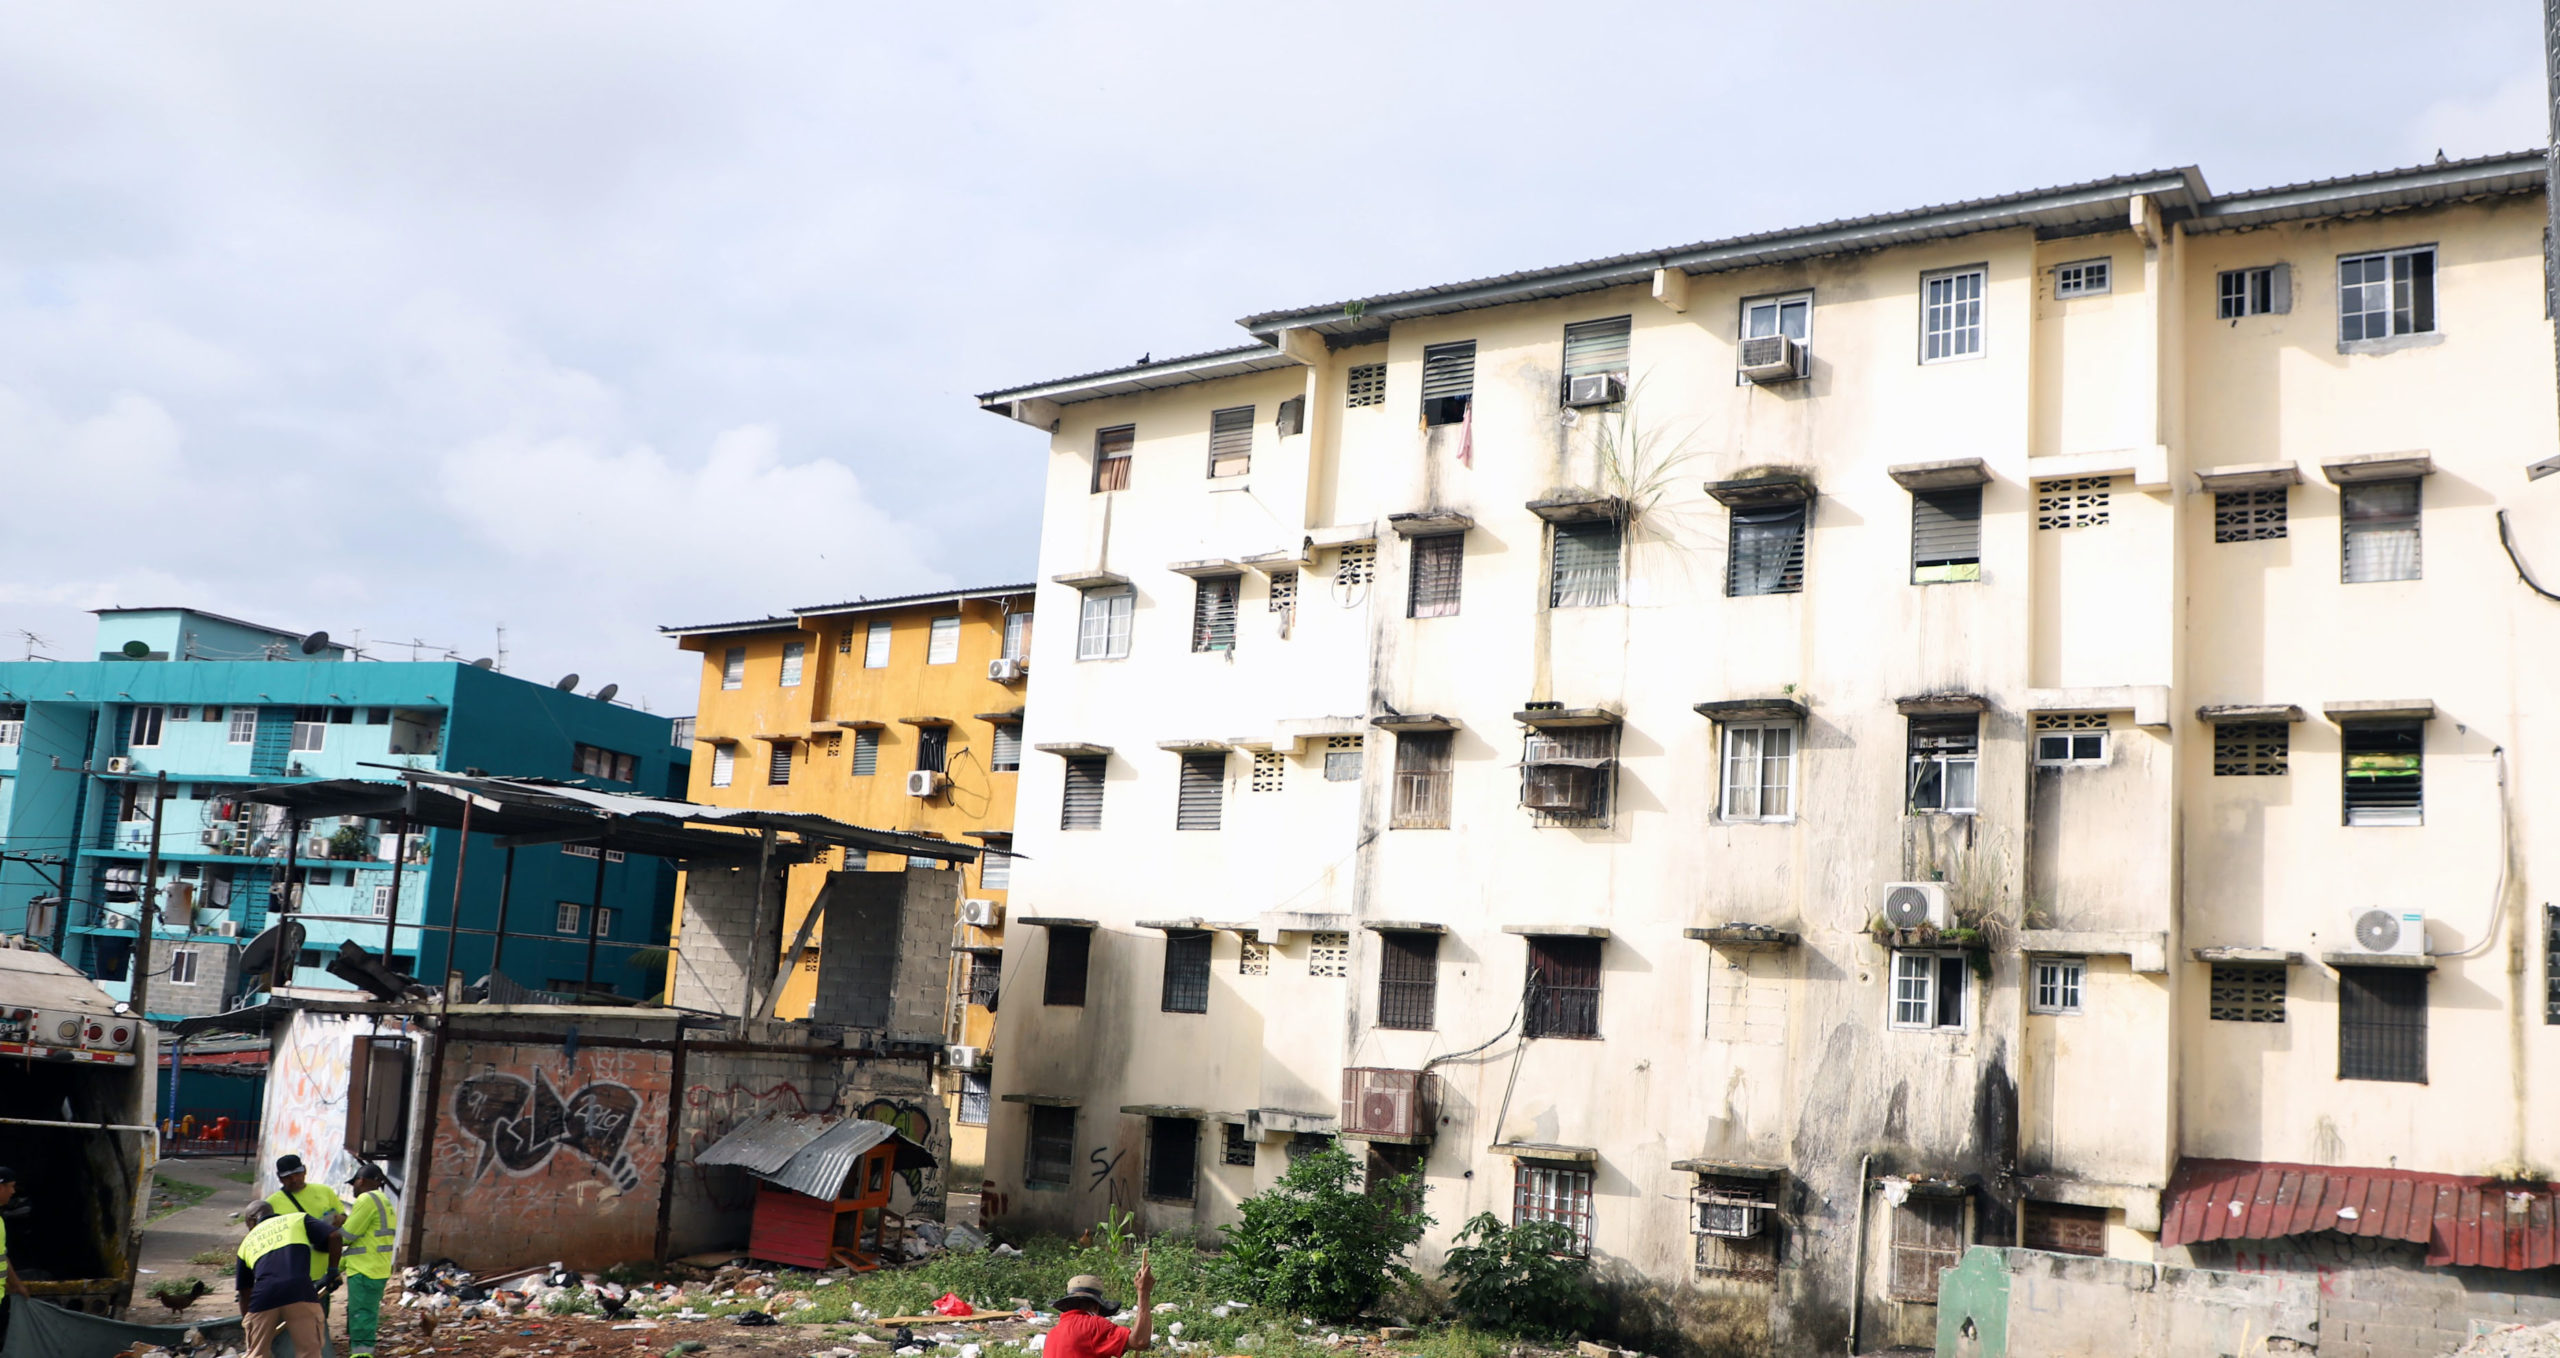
(2385, 780)
(1929, 990)
(2249, 515)
(1448, 381)
(1543, 1190)
(1365, 385)
(777, 770)
(875, 647)
(1070, 958)
(1946, 535)
(1186, 972)
(1760, 772)
(1111, 456)
(2084, 278)
(2388, 294)
(145, 731)
(1213, 612)
(1951, 315)
(1943, 751)
(733, 668)
(1081, 808)
(1766, 555)
(1424, 771)
(795, 656)
(1432, 585)
(1408, 979)
(2378, 531)
(310, 730)
(1201, 800)
(2246, 992)
(1103, 631)
(244, 726)
(1230, 441)
(2382, 1024)
(2252, 749)
(866, 754)
(1049, 1154)
(942, 642)
(724, 765)
(1564, 987)
(1584, 571)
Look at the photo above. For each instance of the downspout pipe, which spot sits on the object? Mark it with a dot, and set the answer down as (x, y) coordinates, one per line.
(1858, 1255)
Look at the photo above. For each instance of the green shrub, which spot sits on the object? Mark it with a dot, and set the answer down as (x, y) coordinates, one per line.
(1317, 1242)
(1526, 1278)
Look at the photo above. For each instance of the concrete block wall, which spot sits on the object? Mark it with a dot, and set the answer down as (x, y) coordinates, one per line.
(2380, 1299)
(2014, 1303)
(718, 945)
(712, 1208)
(885, 958)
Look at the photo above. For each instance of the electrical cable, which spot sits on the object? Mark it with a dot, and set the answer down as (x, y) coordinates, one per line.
(2507, 539)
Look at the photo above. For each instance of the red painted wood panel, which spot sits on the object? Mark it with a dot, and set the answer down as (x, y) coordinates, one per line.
(791, 1228)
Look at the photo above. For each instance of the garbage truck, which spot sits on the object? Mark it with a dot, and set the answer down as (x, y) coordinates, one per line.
(76, 1124)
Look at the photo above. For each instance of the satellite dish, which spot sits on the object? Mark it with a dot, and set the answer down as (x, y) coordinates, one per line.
(567, 681)
(484, 663)
(136, 650)
(315, 643)
(605, 694)
(261, 954)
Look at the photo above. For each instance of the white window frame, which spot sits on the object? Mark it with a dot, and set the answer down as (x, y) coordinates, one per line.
(1017, 635)
(942, 641)
(2392, 271)
(875, 646)
(1754, 751)
(309, 737)
(2071, 742)
(381, 900)
(795, 660)
(2056, 985)
(1962, 331)
(1775, 307)
(2072, 279)
(570, 918)
(1105, 619)
(1946, 769)
(733, 668)
(995, 870)
(146, 715)
(724, 765)
(1912, 996)
(182, 966)
(244, 726)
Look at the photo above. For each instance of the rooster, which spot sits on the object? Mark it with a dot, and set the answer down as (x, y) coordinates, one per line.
(178, 1298)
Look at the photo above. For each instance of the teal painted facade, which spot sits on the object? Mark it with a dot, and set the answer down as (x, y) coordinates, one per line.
(80, 742)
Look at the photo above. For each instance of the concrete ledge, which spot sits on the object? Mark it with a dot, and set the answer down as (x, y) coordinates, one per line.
(1751, 709)
(2218, 713)
(1561, 718)
(1072, 749)
(1165, 1110)
(1295, 732)
(1090, 579)
(1056, 922)
(1727, 1169)
(2149, 703)
(1207, 568)
(1557, 930)
(2249, 476)
(2149, 951)
(2274, 957)
(1283, 559)
(1540, 1150)
(1429, 523)
(2344, 471)
(1950, 474)
(1403, 926)
(1189, 924)
(1342, 535)
(2396, 961)
(1273, 924)
(2380, 709)
(861, 724)
(1289, 1120)
(1745, 936)
(1941, 704)
(1766, 491)
(1579, 507)
(2148, 466)
(1422, 1140)
(1202, 745)
(1413, 721)
(1043, 1100)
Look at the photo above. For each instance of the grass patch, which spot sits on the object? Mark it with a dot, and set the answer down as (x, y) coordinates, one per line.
(241, 1176)
(213, 1258)
(181, 1195)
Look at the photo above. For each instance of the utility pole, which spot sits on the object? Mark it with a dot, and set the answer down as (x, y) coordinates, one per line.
(150, 896)
(2551, 167)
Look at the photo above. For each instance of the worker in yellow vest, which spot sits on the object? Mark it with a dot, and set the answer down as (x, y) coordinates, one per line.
(371, 1224)
(8, 1275)
(273, 1278)
(296, 1193)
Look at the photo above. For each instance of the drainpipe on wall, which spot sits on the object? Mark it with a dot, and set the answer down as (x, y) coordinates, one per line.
(1858, 1251)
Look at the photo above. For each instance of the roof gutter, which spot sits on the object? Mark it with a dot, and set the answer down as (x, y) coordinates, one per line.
(2450, 182)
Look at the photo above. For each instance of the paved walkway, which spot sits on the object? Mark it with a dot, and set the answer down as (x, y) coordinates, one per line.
(169, 1243)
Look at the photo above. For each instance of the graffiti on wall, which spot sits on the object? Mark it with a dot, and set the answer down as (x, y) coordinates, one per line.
(306, 1109)
(541, 1154)
(521, 1123)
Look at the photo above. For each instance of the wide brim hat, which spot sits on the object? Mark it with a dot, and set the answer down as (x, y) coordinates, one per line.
(1085, 1290)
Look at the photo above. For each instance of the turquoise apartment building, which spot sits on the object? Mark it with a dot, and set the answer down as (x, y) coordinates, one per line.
(215, 705)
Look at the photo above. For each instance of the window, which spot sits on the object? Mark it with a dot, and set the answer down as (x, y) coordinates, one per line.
(2378, 531)
(1173, 1159)
(1943, 750)
(844, 642)
(976, 1092)
(1186, 971)
(1070, 953)
(2063, 1228)
(1342, 759)
(724, 765)
(2385, 772)
(2382, 1024)
(1725, 1203)
(1951, 315)
(995, 870)
(2550, 963)
(1596, 349)
(1946, 535)
(1199, 802)
(1423, 776)
(1929, 990)
(1448, 381)
(604, 921)
(1050, 1153)
(1432, 588)
(1585, 566)
(597, 762)
(1365, 385)
(795, 655)
(942, 642)
(2084, 278)
(1566, 772)
(342, 716)
(209, 712)
(1213, 612)
(1564, 987)
(2387, 294)
(1239, 1147)
(1329, 954)
(1103, 633)
(1082, 806)
(1928, 1237)
(733, 668)
(1355, 564)
(2054, 985)
(2251, 749)
(569, 919)
(1790, 315)
(1231, 441)
(13, 723)
(244, 725)
(1767, 551)
(2249, 515)
(2267, 290)
(1760, 772)
(778, 768)
(866, 753)
(1408, 979)
(2071, 738)
(182, 966)
(1004, 749)
(933, 749)
(1546, 1191)
(1111, 449)
(1270, 768)
(1017, 636)
(2246, 992)
(2073, 502)
(145, 731)
(310, 729)
(875, 647)
(1284, 595)
(1253, 958)
(381, 901)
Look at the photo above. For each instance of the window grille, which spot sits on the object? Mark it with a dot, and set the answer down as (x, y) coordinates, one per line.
(2085, 278)
(778, 768)
(795, 657)
(1366, 385)
(1108, 616)
(976, 1092)
(1329, 953)
(1424, 772)
(1284, 591)
(2378, 531)
(2385, 781)
(1408, 979)
(2251, 749)
(875, 647)
(1542, 1191)
(1564, 988)
(1951, 316)
(1213, 612)
(1565, 774)
(1946, 535)
(1231, 441)
(1766, 555)
(2254, 292)
(1239, 1147)
(2057, 983)
(2073, 502)
(1004, 747)
(1070, 956)
(2064, 1228)
(1432, 589)
(1584, 572)
(942, 642)
(2382, 1024)
(1269, 768)
(2249, 515)
(986, 979)
(1734, 1203)
(2381, 295)
(1200, 801)
(1448, 381)
(1943, 755)
(1597, 347)
(1254, 958)
(2246, 992)
(1050, 1158)
(1186, 971)
(1173, 1159)
(1928, 1236)
(1342, 759)
(1759, 772)
(1081, 809)
(1355, 564)
(1111, 457)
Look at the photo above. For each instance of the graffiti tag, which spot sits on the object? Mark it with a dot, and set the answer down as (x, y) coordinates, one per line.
(520, 1123)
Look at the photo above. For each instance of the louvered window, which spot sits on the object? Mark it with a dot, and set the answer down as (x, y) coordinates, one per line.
(942, 642)
(2379, 531)
(2385, 773)
(2246, 992)
(1213, 612)
(1108, 616)
(1423, 775)
(1004, 749)
(1082, 806)
(2252, 749)
(995, 870)
(733, 668)
(2249, 515)
(1231, 441)
(1928, 1239)
(1050, 1154)
(1408, 979)
(1203, 793)
(1584, 572)
(1437, 564)
(2382, 1024)
(1365, 385)
(1173, 1159)
(1186, 971)
(778, 768)
(1564, 987)
(866, 753)
(1070, 958)
(795, 656)
(1448, 381)
(724, 765)
(1946, 535)
(1596, 349)
(1111, 455)
(1767, 554)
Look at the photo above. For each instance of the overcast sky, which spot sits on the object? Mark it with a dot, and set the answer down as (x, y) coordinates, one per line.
(412, 321)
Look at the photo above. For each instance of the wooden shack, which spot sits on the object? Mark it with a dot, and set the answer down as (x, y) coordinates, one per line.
(823, 1187)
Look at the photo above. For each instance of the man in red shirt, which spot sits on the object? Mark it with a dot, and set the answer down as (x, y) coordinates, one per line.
(1082, 1332)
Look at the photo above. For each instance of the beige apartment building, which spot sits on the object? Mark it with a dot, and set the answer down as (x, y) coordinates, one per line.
(2011, 723)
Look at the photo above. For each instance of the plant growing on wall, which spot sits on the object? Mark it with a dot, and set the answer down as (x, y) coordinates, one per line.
(1317, 1242)
(348, 843)
(1636, 462)
(1527, 1278)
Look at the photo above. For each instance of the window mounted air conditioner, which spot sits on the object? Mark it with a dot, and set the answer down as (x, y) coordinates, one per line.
(1772, 358)
(1382, 1102)
(981, 914)
(1560, 789)
(1910, 905)
(924, 782)
(2387, 933)
(1727, 1215)
(1595, 389)
(1004, 670)
(965, 1058)
(119, 764)
(229, 928)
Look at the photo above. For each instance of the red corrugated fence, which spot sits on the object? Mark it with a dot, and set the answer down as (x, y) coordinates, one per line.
(2461, 1220)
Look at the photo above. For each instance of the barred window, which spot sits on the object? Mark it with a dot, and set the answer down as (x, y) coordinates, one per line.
(1269, 767)
(1200, 802)
(1213, 612)
(1928, 1237)
(986, 978)
(2385, 780)
(1424, 772)
(1766, 552)
(2073, 501)
(1432, 589)
(1081, 808)
(1239, 1146)
(976, 1092)
(1408, 979)
(2252, 749)
(1186, 971)
(2246, 992)
(2064, 1228)
(1070, 957)
(1050, 1158)
(1366, 385)
(1564, 987)
(2378, 531)
(1329, 953)
(2382, 1024)
(1342, 759)
(1546, 1191)
(1584, 571)
(1111, 457)
(1231, 441)
(2249, 515)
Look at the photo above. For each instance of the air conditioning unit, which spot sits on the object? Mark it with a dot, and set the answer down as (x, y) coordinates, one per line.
(1595, 389)
(1909, 905)
(924, 783)
(2388, 933)
(1005, 670)
(119, 764)
(1772, 358)
(1727, 1215)
(981, 914)
(1559, 789)
(1388, 1103)
(109, 919)
(229, 928)
(964, 1058)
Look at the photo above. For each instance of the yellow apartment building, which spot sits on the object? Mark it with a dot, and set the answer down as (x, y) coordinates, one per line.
(902, 713)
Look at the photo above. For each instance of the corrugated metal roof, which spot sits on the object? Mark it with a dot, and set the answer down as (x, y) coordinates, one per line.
(784, 623)
(809, 1153)
(1163, 372)
(2470, 1221)
(2380, 191)
(918, 600)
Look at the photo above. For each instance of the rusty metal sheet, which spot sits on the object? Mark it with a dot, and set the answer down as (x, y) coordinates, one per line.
(2461, 1219)
(810, 1153)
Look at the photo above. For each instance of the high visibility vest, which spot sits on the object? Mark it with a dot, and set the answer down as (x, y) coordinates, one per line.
(275, 1233)
(370, 1228)
(4, 1245)
(323, 1204)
